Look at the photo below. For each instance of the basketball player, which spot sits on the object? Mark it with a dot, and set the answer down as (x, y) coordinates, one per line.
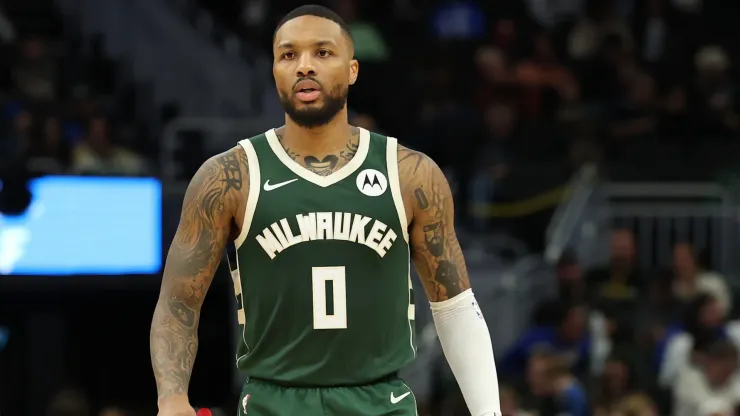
(323, 216)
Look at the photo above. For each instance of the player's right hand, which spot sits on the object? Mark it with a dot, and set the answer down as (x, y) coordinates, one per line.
(176, 409)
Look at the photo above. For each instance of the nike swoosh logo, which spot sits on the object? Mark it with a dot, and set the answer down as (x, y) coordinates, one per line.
(269, 187)
(395, 399)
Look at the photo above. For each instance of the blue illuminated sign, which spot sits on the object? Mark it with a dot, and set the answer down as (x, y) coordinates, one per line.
(85, 225)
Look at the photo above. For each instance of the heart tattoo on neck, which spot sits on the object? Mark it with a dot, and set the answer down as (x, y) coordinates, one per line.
(321, 167)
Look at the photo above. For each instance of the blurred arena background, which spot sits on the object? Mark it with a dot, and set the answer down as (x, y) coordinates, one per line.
(593, 147)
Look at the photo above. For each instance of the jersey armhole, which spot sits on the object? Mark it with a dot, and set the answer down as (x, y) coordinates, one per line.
(254, 190)
(395, 183)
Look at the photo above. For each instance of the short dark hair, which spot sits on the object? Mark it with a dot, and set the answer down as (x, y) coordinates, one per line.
(318, 11)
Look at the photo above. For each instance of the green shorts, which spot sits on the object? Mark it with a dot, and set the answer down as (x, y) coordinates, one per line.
(390, 397)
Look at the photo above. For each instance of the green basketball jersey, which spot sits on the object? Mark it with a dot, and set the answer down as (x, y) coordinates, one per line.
(322, 268)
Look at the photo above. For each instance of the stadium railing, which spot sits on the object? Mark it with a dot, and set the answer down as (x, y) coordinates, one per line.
(659, 214)
(570, 224)
(663, 214)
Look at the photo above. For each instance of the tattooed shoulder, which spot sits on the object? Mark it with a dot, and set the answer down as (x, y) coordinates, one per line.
(218, 186)
(414, 168)
(410, 160)
(435, 249)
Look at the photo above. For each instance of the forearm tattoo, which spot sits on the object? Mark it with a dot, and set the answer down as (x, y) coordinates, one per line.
(195, 253)
(435, 250)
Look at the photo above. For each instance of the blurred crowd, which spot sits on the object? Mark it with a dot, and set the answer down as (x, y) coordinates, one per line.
(61, 111)
(509, 97)
(507, 93)
(621, 340)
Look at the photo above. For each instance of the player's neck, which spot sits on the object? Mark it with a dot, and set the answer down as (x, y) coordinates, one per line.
(330, 136)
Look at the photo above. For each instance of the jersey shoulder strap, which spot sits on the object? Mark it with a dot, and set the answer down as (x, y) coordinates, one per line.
(255, 182)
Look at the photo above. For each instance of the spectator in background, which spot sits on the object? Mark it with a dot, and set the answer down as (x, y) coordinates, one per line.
(571, 286)
(716, 93)
(616, 287)
(710, 386)
(612, 335)
(616, 384)
(606, 332)
(49, 152)
(35, 72)
(570, 396)
(600, 21)
(704, 322)
(689, 280)
(567, 336)
(496, 77)
(510, 405)
(555, 389)
(98, 155)
(542, 76)
(538, 384)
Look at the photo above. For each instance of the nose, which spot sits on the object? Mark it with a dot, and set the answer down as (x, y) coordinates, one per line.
(306, 66)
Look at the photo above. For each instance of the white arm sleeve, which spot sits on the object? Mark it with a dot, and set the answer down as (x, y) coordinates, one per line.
(467, 346)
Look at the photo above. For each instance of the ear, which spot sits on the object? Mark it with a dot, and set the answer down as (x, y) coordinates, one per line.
(354, 71)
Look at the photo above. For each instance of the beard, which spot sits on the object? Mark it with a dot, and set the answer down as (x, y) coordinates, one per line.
(315, 116)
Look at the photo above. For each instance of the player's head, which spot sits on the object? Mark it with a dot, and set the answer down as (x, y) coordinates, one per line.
(313, 64)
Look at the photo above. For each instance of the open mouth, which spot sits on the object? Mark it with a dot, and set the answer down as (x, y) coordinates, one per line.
(308, 92)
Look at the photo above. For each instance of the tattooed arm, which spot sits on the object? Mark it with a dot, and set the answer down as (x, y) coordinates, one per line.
(434, 247)
(212, 202)
(439, 262)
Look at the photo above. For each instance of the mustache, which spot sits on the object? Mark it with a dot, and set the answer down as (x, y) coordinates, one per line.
(307, 79)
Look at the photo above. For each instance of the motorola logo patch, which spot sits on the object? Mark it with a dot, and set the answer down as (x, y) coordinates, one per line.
(371, 182)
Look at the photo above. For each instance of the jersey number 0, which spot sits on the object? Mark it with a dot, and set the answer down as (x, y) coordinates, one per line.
(334, 277)
(321, 277)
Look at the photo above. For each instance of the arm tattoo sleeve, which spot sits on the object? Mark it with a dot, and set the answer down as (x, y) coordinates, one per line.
(435, 251)
(210, 204)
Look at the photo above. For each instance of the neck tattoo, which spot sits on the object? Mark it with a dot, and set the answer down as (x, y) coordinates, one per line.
(327, 164)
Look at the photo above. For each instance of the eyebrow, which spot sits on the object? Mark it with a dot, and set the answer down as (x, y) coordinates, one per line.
(289, 44)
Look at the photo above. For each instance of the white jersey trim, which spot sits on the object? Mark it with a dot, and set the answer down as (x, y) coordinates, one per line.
(391, 161)
(391, 158)
(252, 198)
(254, 190)
(316, 179)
